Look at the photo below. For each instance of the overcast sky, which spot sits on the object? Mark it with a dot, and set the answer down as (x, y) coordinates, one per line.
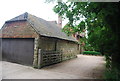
(12, 8)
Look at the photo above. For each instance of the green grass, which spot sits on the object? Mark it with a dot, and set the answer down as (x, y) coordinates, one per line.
(91, 53)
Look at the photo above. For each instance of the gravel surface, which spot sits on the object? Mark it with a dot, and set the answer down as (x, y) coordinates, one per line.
(83, 67)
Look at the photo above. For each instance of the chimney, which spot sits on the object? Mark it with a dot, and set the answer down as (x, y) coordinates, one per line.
(60, 21)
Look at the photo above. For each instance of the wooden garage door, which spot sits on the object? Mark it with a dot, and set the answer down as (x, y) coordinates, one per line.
(18, 50)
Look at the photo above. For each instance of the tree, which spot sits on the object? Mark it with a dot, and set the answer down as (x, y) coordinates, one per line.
(101, 21)
(101, 18)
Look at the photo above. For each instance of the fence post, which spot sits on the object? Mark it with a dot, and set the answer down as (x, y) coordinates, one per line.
(39, 58)
(61, 55)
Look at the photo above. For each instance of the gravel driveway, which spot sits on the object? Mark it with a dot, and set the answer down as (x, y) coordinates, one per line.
(83, 67)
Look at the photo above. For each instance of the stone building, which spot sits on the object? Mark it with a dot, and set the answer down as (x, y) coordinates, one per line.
(26, 34)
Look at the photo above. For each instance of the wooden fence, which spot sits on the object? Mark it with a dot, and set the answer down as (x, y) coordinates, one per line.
(46, 58)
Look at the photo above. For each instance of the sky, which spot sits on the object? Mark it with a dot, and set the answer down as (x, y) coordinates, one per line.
(12, 8)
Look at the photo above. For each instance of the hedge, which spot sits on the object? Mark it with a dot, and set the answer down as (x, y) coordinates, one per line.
(91, 53)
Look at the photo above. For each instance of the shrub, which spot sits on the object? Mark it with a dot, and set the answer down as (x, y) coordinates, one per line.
(91, 53)
(112, 75)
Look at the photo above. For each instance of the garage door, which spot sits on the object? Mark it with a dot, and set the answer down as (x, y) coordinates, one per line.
(18, 50)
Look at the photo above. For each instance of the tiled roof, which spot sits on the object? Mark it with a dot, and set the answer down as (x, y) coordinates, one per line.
(43, 27)
(18, 18)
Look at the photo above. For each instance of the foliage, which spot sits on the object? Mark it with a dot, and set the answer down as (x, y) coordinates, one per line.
(68, 30)
(97, 16)
(112, 74)
(88, 47)
(91, 53)
(102, 40)
(101, 21)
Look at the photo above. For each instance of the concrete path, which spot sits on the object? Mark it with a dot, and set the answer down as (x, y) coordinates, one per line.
(83, 67)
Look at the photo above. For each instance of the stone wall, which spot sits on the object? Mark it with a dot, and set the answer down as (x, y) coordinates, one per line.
(36, 47)
(47, 43)
(69, 49)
